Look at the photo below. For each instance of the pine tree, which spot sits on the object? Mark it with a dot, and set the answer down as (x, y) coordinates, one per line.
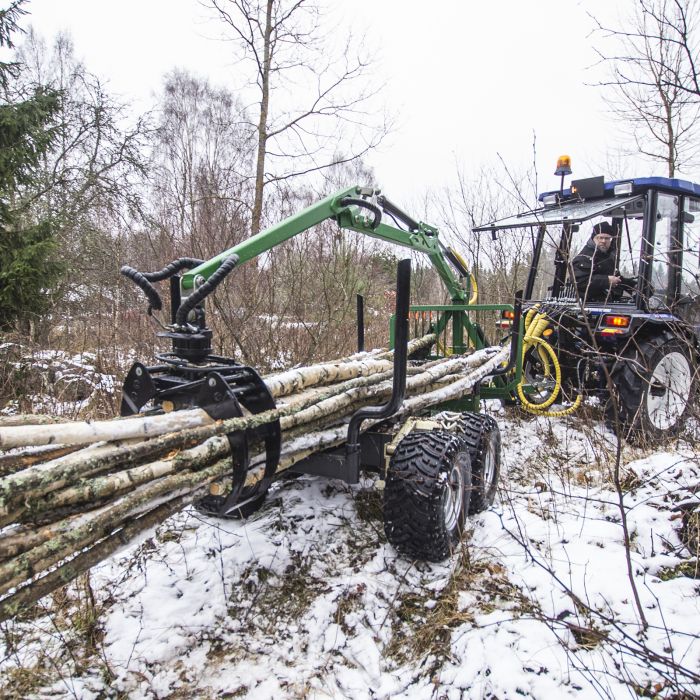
(28, 266)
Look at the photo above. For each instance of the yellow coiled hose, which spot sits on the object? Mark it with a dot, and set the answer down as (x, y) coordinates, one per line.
(534, 326)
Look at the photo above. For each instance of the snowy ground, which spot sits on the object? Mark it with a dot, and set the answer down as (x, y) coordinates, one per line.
(307, 600)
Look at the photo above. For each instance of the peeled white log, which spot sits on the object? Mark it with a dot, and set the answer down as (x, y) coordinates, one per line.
(361, 364)
(82, 433)
(295, 380)
(459, 388)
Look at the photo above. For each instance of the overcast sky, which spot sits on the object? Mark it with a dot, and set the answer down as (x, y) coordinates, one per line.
(468, 81)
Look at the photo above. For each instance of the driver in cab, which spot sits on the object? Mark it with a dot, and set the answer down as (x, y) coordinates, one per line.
(594, 266)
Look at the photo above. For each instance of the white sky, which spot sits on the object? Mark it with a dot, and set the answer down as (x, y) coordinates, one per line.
(467, 80)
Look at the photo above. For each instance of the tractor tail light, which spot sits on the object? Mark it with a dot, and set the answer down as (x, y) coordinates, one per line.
(616, 321)
(506, 320)
(613, 324)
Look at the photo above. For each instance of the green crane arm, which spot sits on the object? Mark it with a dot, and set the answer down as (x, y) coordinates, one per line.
(350, 216)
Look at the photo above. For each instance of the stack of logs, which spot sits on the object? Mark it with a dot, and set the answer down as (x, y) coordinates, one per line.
(71, 494)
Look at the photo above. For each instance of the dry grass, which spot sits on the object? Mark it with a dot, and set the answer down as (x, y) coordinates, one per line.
(423, 622)
(59, 638)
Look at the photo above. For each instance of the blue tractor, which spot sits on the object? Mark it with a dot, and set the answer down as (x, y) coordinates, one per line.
(635, 342)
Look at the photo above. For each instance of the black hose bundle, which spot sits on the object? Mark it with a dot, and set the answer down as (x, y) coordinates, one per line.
(207, 288)
(143, 279)
(172, 268)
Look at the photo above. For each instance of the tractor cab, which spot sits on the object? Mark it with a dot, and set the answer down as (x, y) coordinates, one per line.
(656, 247)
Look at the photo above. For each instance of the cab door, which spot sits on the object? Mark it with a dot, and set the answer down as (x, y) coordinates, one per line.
(664, 254)
(688, 303)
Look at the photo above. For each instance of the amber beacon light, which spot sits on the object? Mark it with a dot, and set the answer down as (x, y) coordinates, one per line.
(563, 166)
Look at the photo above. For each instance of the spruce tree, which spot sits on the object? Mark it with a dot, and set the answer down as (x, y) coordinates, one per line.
(28, 265)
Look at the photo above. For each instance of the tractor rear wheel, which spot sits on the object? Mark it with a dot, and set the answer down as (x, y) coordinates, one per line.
(653, 388)
(484, 441)
(426, 498)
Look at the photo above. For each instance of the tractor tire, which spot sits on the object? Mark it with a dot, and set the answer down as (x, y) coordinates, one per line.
(426, 497)
(484, 441)
(654, 385)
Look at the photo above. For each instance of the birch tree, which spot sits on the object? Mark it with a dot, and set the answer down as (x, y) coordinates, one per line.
(652, 59)
(312, 92)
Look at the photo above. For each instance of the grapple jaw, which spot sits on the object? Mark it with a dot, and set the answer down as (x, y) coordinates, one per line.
(224, 389)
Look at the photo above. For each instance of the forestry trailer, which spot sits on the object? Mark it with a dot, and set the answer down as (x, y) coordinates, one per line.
(438, 465)
(634, 344)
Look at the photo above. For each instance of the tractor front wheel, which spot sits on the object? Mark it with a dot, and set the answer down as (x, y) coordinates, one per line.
(653, 388)
(426, 498)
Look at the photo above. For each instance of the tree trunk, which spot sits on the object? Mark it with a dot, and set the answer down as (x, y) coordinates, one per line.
(262, 122)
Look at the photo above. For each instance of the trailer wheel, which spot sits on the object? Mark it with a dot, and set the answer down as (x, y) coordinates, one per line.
(484, 441)
(653, 388)
(426, 498)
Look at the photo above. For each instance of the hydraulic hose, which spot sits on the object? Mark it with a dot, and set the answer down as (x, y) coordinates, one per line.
(376, 211)
(397, 213)
(549, 350)
(207, 288)
(536, 323)
(143, 279)
(474, 287)
(172, 268)
(140, 279)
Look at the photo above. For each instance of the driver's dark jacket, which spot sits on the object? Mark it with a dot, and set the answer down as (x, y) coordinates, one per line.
(592, 267)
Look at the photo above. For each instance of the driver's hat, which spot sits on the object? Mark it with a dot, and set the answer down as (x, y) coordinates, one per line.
(603, 227)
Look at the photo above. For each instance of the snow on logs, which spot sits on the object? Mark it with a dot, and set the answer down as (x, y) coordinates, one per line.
(71, 494)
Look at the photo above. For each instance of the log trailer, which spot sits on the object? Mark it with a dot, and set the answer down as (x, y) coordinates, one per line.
(637, 348)
(436, 468)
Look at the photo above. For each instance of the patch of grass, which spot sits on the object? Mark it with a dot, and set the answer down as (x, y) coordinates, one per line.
(587, 637)
(689, 569)
(690, 532)
(74, 620)
(368, 505)
(629, 480)
(659, 690)
(21, 682)
(172, 534)
(349, 601)
(265, 600)
(423, 622)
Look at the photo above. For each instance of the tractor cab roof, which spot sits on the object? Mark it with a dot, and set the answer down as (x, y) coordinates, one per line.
(586, 199)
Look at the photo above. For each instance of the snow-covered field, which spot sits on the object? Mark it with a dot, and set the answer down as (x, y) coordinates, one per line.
(307, 600)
